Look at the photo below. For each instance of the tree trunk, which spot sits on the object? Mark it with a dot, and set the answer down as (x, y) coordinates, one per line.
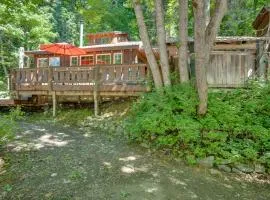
(183, 39)
(204, 41)
(147, 46)
(161, 35)
(199, 46)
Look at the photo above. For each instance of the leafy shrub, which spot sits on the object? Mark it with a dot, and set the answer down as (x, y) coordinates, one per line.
(235, 128)
(8, 124)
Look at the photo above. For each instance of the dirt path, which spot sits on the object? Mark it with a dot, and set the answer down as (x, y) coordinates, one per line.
(53, 162)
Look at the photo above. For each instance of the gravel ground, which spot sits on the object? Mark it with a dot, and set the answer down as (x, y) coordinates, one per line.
(48, 161)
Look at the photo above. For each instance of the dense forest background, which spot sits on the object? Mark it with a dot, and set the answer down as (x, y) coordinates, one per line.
(28, 23)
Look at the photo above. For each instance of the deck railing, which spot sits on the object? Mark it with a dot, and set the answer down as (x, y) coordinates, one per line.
(109, 78)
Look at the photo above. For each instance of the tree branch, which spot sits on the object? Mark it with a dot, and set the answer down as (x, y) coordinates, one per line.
(215, 21)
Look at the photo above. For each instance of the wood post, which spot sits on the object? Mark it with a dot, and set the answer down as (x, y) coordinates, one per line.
(54, 103)
(50, 88)
(96, 90)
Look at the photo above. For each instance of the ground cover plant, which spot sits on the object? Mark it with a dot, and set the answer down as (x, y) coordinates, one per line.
(234, 130)
(8, 124)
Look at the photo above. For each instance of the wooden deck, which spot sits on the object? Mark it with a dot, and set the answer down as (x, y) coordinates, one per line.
(92, 81)
(113, 80)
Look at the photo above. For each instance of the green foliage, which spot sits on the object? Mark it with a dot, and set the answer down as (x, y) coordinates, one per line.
(8, 124)
(236, 127)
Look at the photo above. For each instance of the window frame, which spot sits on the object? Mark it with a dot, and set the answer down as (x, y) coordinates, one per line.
(106, 54)
(71, 61)
(88, 55)
(118, 53)
(42, 58)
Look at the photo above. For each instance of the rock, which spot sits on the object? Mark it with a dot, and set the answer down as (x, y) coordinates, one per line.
(215, 172)
(245, 168)
(259, 168)
(224, 168)
(207, 162)
(225, 162)
(237, 171)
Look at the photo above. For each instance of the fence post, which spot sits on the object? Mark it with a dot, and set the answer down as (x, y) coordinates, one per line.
(51, 91)
(96, 90)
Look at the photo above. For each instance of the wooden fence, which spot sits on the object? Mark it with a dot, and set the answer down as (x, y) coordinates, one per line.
(230, 69)
(227, 69)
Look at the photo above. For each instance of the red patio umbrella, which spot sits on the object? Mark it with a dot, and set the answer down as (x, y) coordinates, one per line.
(63, 49)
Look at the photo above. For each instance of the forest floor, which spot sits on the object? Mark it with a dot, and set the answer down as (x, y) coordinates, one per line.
(52, 161)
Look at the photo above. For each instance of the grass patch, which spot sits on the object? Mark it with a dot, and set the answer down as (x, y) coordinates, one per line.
(68, 116)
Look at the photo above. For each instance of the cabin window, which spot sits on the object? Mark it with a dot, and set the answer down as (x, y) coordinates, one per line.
(54, 62)
(87, 60)
(103, 58)
(74, 61)
(118, 58)
(43, 62)
(102, 41)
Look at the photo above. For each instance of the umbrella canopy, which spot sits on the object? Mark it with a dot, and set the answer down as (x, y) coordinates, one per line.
(63, 49)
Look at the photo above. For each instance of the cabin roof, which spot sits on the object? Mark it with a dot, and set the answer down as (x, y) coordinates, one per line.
(264, 13)
(106, 34)
(120, 44)
(227, 39)
(37, 52)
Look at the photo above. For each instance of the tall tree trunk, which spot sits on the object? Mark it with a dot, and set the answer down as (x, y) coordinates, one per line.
(147, 46)
(183, 39)
(204, 41)
(161, 35)
(199, 46)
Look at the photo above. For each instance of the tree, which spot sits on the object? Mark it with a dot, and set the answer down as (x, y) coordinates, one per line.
(161, 34)
(147, 46)
(22, 24)
(183, 39)
(204, 38)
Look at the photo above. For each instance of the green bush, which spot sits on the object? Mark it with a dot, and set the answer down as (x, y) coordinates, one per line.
(235, 128)
(8, 124)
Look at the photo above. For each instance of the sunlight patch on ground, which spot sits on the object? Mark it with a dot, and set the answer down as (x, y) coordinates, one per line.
(36, 128)
(129, 169)
(62, 134)
(177, 182)
(143, 168)
(129, 158)
(151, 190)
(107, 164)
(36, 144)
(51, 140)
(27, 132)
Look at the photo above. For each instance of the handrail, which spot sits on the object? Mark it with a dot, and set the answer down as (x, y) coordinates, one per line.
(79, 78)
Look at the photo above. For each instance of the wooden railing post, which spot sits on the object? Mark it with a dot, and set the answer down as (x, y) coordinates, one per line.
(96, 90)
(51, 91)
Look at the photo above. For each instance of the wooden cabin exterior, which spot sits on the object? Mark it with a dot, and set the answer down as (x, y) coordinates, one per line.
(111, 48)
(232, 60)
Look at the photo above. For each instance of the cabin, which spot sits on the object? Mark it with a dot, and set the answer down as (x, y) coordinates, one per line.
(109, 66)
(110, 48)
